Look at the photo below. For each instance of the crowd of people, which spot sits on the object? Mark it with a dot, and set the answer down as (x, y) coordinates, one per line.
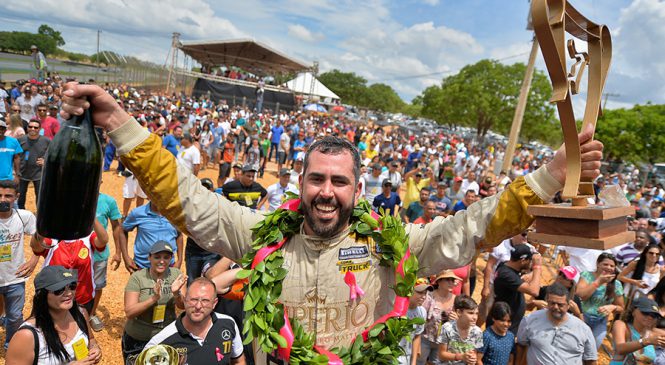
(421, 179)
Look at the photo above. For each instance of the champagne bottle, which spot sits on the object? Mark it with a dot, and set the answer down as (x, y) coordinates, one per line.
(70, 181)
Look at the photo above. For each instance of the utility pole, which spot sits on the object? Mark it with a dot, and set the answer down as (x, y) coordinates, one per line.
(607, 95)
(99, 31)
(312, 83)
(171, 81)
(519, 110)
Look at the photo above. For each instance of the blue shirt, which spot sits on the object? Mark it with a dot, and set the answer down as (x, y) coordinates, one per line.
(442, 204)
(218, 133)
(497, 349)
(152, 227)
(172, 144)
(276, 133)
(9, 147)
(388, 204)
(107, 210)
(459, 206)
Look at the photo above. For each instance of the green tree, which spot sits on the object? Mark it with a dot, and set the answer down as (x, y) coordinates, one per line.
(634, 135)
(351, 88)
(484, 96)
(20, 42)
(382, 97)
(52, 33)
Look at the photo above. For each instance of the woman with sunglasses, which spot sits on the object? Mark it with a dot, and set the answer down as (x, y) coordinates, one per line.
(635, 335)
(151, 296)
(643, 274)
(57, 329)
(601, 294)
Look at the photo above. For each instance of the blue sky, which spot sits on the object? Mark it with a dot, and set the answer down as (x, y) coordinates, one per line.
(381, 40)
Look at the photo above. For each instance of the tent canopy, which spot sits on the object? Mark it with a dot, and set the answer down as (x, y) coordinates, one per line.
(302, 84)
(247, 54)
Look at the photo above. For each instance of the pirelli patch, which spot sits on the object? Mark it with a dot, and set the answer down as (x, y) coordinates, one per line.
(349, 265)
(354, 252)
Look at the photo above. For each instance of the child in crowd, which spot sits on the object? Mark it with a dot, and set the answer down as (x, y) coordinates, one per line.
(412, 348)
(498, 343)
(461, 340)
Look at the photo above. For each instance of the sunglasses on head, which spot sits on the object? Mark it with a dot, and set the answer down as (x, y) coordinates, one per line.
(59, 292)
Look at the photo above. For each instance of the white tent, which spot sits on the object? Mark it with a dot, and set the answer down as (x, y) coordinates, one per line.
(303, 83)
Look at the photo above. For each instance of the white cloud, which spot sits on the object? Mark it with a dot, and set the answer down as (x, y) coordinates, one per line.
(431, 2)
(302, 33)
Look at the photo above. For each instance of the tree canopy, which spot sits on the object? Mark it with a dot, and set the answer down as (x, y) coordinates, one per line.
(353, 89)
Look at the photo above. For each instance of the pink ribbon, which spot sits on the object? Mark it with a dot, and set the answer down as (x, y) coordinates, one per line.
(287, 332)
(291, 205)
(332, 358)
(264, 252)
(399, 310)
(400, 267)
(350, 280)
(219, 354)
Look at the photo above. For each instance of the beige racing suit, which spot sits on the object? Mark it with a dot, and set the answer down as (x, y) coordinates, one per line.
(314, 290)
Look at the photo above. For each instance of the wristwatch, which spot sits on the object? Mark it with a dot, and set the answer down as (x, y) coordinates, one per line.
(641, 341)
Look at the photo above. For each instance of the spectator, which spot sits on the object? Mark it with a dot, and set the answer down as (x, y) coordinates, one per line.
(389, 200)
(470, 197)
(416, 209)
(642, 274)
(172, 141)
(203, 334)
(150, 227)
(283, 149)
(34, 147)
(39, 61)
(635, 336)
(10, 151)
(75, 254)
(56, 328)
(208, 147)
(15, 127)
(411, 346)
(276, 193)
(509, 286)
(455, 192)
(14, 270)
(275, 139)
(254, 155)
(568, 277)
(226, 155)
(601, 294)
(28, 102)
(630, 251)
(196, 258)
(245, 191)
(297, 171)
(499, 255)
(189, 156)
(461, 340)
(373, 183)
(415, 184)
(428, 213)
(151, 297)
(107, 211)
(50, 125)
(131, 190)
(439, 306)
(552, 336)
(393, 175)
(441, 201)
(498, 343)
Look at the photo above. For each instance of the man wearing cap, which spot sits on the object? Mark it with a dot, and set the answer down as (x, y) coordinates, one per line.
(415, 182)
(245, 191)
(276, 193)
(14, 270)
(509, 286)
(568, 277)
(10, 153)
(189, 155)
(552, 337)
(296, 171)
(28, 102)
(329, 189)
(412, 348)
(441, 201)
(39, 61)
(388, 200)
(393, 175)
(373, 183)
(455, 192)
(150, 227)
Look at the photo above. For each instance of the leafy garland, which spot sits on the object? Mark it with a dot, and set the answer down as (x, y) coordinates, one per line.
(266, 319)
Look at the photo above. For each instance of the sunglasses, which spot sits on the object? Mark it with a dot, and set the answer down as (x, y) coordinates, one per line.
(59, 292)
(32, 127)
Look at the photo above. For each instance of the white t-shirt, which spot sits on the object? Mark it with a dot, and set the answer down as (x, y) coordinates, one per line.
(11, 244)
(276, 193)
(284, 141)
(3, 97)
(189, 157)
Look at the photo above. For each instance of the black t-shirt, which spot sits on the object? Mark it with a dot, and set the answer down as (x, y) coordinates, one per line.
(506, 282)
(542, 294)
(32, 150)
(248, 196)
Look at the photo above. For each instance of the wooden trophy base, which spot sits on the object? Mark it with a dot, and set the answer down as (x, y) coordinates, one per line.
(593, 226)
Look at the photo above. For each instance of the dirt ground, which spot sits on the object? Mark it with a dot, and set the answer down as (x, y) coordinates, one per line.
(111, 307)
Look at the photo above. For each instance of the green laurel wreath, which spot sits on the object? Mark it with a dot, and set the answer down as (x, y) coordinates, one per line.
(265, 314)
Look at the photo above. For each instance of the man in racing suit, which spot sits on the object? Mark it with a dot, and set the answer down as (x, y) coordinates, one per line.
(317, 258)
